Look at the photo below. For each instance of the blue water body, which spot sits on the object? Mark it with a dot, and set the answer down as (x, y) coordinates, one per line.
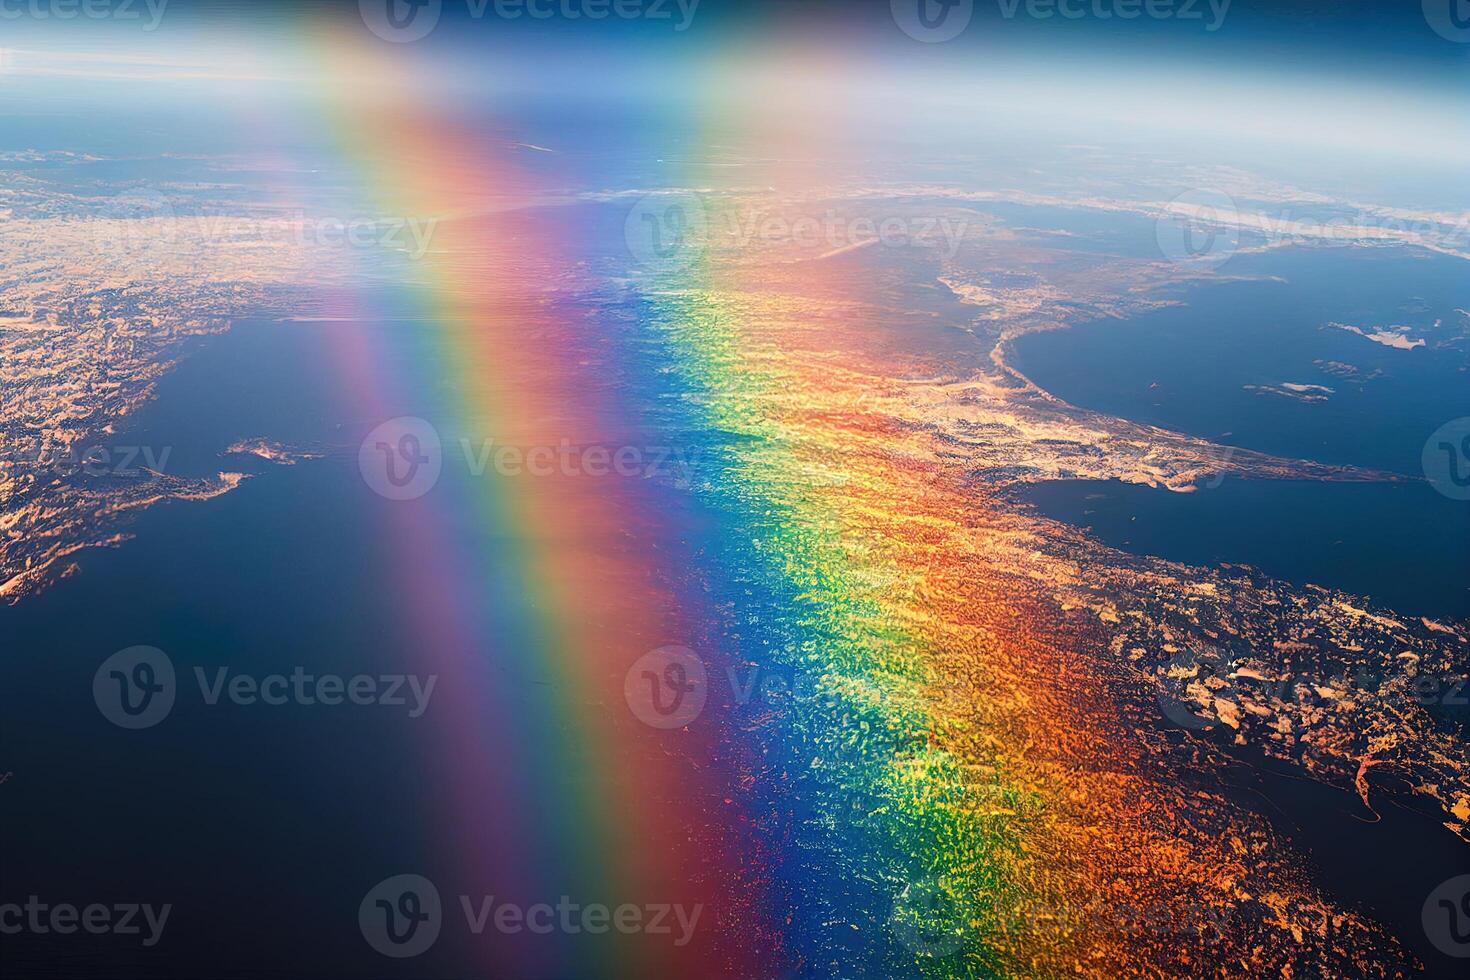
(1214, 365)
(264, 825)
(1382, 862)
(251, 821)
(1403, 544)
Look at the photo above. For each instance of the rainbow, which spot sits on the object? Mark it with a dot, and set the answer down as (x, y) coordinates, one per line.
(947, 778)
(556, 788)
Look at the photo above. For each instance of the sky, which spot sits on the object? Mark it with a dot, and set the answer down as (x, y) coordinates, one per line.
(1365, 93)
